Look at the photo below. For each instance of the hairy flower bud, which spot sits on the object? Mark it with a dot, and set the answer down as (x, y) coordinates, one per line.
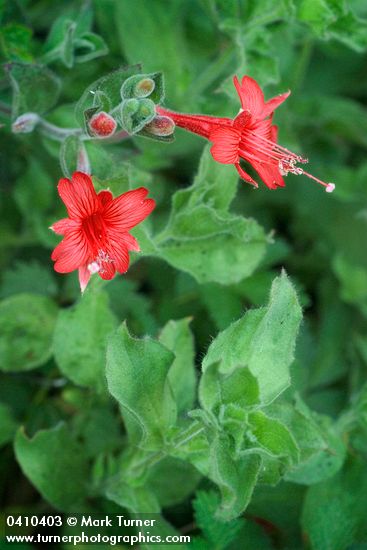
(102, 125)
(161, 126)
(144, 87)
(25, 124)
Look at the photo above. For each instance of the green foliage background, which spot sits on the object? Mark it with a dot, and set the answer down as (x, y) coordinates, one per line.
(207, 374)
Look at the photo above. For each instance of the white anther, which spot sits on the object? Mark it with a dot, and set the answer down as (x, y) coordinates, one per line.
(94, 267)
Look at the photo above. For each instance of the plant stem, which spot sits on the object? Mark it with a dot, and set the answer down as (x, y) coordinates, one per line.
(59, 134)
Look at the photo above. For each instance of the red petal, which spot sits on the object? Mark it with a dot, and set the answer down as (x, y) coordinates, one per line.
(273, 103)
(225, 145)
(274, 133)
(107, 271)
(84, 276)
(63, 226)
(105, 197)
(244, 175)
(78, 195)
(127, 210)
(118, 252)
(130, 242)
(71, 253)
(269, 174)
(250, 94)
(242, 120)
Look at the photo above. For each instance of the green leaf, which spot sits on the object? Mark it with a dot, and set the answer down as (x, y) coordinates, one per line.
(262, 340)
(35, 88)
(137, 376)
(342, 502)
(236, 479)
(330, 363)
(219, 534)
(15, 42)
(91, 425)
(272, 437)
(89, 46)
(353, 280)
(223, 303)
(177, 337)
(211, 246)
(219, 386)
(34, 193)
(335, 115)
(201, 238)
(28, 277)
(26, 327)
(172, 481)
(8, 425)
(137, 34)
(70, 40)
(325, 462)
(316, 13)
(351, 31)
(55, 464)
(192, 445)
(139, 500)
(85, 327)
(214, 185)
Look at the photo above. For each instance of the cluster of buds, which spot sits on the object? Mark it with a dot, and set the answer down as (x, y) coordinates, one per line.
(136, 112)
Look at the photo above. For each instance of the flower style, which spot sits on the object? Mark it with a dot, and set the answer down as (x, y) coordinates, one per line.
(96, 233)
(250, 136)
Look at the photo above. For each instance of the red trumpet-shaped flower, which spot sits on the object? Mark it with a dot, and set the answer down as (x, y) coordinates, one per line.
(250, 136)
(96, 233)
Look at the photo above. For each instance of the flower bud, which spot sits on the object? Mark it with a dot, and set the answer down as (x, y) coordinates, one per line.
(144, 87)
(161, 126)
(102, 125)
(25, 124)
(136, 113)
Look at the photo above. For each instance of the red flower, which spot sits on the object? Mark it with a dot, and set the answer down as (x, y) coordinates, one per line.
(96, 233)
(250, 136)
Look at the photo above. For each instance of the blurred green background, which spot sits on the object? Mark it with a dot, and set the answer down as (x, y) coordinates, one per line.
(317, 49)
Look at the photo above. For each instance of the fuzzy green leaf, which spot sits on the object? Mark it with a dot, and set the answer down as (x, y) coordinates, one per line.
(56, 466)
(263, 340)
(85, 327)
(218, 386)
(177, 337)
(35, 88)
(272, 437)
(334, 512)
(236, 479)
(137, 376)
(26, 327)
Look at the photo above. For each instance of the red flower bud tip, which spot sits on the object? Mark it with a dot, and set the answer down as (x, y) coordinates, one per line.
(145, 87)
(102, 125)
(161, 126)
